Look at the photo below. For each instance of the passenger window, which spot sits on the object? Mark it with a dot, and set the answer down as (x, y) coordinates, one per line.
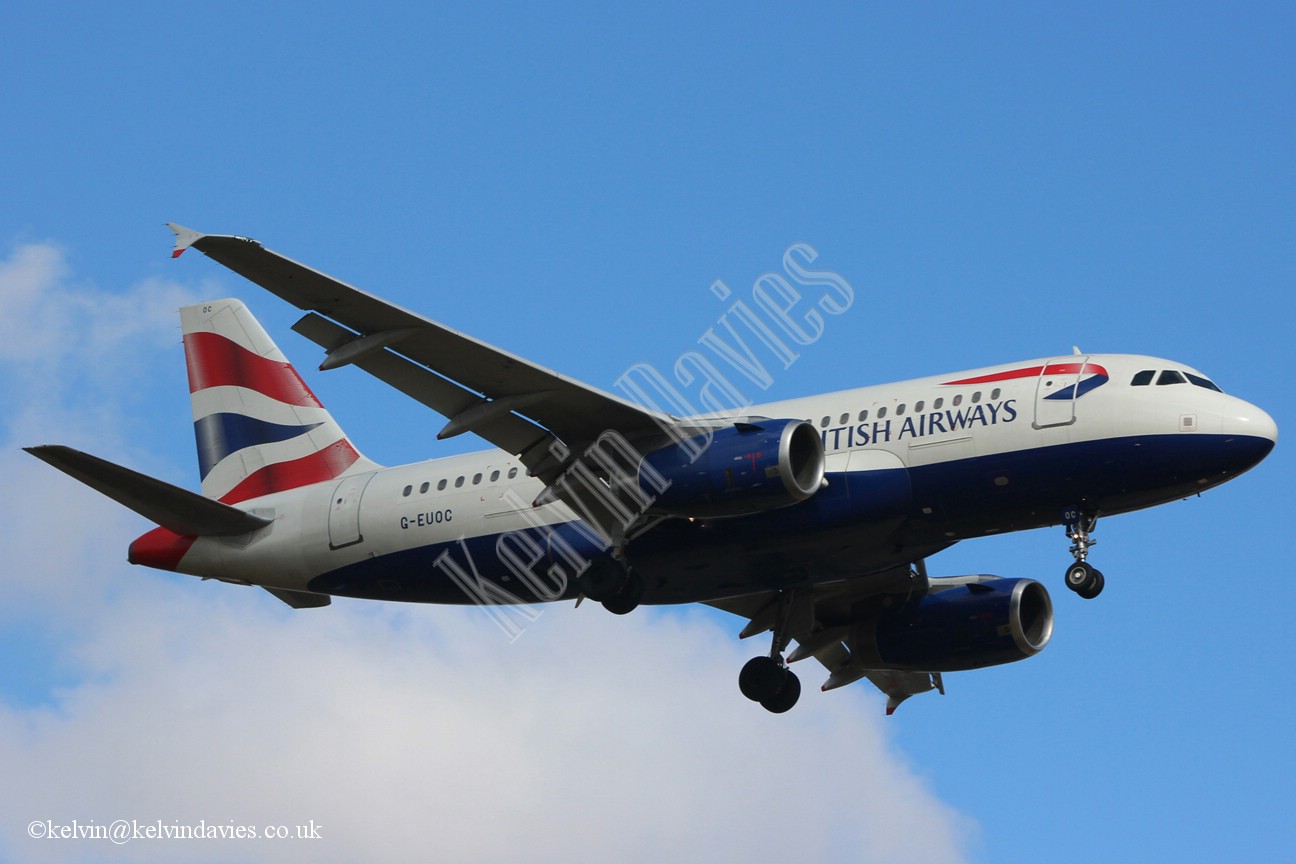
(994, 394)
(423, 489)
(958, 400)
(863, 415)
(845, 418)
(476, 479)
(459, 481)
(936, 406)
(441, 484)
(881, 412)
(1143, 378)
(918, 408)
(408, 490)
(494, 476)
(1170, 376)
(900, 409)
(512, 473)
(825, 421)
(976, 397)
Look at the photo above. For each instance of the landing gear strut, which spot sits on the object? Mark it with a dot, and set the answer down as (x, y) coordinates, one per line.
(1082, 577)
(767, 679)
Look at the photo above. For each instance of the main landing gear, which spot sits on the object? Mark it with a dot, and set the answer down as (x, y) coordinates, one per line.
(770, 682)
(1082, 577)
(767, 679)
(612, 583)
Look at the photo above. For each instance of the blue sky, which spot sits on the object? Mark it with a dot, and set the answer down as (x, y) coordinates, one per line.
(997, 183)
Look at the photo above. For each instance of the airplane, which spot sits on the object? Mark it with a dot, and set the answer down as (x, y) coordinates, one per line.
(812, 518)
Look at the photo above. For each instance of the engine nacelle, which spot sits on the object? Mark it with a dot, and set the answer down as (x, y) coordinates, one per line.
(743, 469)
(964, 625)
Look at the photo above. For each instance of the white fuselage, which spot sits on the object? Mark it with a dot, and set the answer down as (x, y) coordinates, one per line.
(980, 451)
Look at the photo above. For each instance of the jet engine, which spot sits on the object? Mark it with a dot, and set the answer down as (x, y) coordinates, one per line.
(961, 624)
(739, 470)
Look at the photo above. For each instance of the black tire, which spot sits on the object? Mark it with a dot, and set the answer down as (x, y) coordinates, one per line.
(1078, 576)
(762, 678)
(1095, 586)
(628, 600)
(603, 580)
(786, 697)
(1084, 580)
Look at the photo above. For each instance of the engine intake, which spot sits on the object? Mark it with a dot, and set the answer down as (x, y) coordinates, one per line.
(964, 625)
(743, 469)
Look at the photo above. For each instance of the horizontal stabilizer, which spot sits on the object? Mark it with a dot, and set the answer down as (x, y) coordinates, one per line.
(178, 510)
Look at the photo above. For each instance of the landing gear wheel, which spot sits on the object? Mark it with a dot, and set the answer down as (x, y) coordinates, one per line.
(763, 678)
(603, 580)
(1096, 588)
(628, 599)
(1085, 580)
(787, 695)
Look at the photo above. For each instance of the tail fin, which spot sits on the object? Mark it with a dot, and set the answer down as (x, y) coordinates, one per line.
(259, 428)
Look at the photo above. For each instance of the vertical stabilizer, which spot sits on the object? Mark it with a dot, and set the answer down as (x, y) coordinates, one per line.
(259, 428)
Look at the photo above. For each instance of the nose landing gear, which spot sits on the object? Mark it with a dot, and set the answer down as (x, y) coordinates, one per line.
(1082, 577)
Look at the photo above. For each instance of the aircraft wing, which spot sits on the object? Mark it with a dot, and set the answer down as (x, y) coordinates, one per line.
(516, 405)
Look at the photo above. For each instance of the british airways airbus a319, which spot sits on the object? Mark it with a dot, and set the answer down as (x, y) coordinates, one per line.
(811, 518)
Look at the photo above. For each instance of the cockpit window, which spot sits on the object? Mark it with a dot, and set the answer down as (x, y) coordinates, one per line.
(1203, 382)
(1170, 376)
(1143, 378)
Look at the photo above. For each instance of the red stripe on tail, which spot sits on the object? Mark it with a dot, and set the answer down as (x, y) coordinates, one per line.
(322, 465)
(215, 361)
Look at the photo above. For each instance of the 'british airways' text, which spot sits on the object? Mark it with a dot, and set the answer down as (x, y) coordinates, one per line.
(919, 425)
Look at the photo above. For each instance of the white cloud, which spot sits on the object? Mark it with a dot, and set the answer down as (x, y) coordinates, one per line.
(403, 732)
(29, 322)
(77, 359)
(400, 730)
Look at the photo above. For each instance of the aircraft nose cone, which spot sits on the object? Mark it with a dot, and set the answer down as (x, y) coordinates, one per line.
(1255, 430)
(1256, 423)
(1265, 426)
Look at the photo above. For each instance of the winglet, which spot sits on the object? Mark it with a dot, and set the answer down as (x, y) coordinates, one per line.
(185, 237)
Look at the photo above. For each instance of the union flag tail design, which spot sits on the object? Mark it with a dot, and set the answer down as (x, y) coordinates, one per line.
(259, 428)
